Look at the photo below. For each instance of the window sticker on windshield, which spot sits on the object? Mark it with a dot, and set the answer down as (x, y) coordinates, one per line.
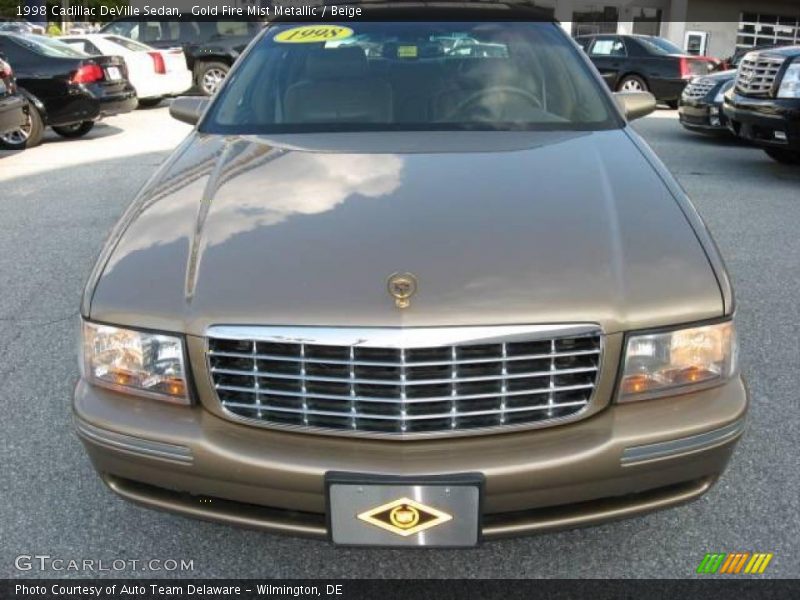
(407, 52)
(313, 34)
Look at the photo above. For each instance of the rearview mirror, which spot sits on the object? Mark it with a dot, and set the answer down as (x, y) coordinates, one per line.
(188, 109)
(636, 105)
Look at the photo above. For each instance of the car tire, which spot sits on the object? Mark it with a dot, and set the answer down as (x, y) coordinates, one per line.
(673, 104)
(74, 131)
(28, 136)
(786, 157)
(210, 76)
(633, 83)
(149, 102)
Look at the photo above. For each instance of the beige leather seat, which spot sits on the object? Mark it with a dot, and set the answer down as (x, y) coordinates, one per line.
(337, 88)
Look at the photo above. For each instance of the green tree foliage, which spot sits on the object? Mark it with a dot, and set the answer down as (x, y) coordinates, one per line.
(8, 8)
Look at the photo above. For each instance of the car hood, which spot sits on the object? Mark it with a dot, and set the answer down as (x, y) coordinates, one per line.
(498, 228)
(721, 76)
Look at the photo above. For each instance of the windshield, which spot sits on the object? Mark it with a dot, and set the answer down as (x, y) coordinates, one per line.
(660, 45)
(411, 77)
(48, 47)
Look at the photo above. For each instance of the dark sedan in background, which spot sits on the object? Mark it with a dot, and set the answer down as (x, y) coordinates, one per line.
(642, 63)
(66, 89)
(12, 105)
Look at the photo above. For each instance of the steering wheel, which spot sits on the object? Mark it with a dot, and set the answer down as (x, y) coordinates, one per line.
(490, 111)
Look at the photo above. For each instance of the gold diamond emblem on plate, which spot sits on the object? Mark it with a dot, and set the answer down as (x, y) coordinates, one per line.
(405, 516)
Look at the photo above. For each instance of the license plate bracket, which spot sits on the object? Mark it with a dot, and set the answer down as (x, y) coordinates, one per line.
(384, 510)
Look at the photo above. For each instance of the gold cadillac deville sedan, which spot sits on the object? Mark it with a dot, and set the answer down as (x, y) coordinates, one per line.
(412, 283)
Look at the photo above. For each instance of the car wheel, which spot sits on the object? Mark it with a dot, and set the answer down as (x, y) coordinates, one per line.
(149, 102)
(632, 83)
(210, 76)
(76, 130)
(673, 104)
(28, 136)
(786, 157)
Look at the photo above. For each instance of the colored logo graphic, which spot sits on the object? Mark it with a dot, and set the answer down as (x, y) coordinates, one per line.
(735, 563)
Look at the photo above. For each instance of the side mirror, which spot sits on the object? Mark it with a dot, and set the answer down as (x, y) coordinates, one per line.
(188, 109)
(636, 105)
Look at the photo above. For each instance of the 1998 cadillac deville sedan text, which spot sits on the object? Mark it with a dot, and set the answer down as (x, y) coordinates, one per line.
(411, 283)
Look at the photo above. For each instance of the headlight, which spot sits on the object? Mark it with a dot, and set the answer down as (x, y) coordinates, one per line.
(790, 84)
(674, 362)
(135, 362)
(720, 97)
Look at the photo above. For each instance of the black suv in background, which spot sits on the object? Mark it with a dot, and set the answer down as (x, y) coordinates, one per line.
(211, 47)
(764, 104)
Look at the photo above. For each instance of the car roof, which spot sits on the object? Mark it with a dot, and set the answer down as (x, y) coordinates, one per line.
(109, 37)
(91, 35)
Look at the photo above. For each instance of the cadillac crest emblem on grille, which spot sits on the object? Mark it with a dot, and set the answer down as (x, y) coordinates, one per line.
(402, 286)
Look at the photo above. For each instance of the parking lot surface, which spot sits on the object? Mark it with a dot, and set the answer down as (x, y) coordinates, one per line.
(57, 203)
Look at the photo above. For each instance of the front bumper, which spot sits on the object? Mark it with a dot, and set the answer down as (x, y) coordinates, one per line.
(769, 122)
(626, 460)
(703, 116)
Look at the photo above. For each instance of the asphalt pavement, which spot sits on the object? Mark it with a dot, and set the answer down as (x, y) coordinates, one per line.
(57, 203)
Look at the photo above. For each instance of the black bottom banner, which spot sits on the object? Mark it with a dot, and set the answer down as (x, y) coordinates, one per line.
(387, 589)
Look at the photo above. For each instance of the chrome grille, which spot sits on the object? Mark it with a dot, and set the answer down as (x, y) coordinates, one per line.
(404, 383)
(699, 88)
(757, 74)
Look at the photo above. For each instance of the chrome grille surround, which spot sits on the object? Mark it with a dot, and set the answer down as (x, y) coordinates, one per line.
(405, 383)
(699, 88)
(757, 74)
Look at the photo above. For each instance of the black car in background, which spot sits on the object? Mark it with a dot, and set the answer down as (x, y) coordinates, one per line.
(211, 47)
(643, 63)
(763, 106)
(12, 105)
(65, 89)
(700, 108)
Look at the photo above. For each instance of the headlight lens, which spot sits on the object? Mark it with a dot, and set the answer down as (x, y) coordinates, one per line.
(674, 362)
(790, 84)
(135, 362)
(720, 97)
